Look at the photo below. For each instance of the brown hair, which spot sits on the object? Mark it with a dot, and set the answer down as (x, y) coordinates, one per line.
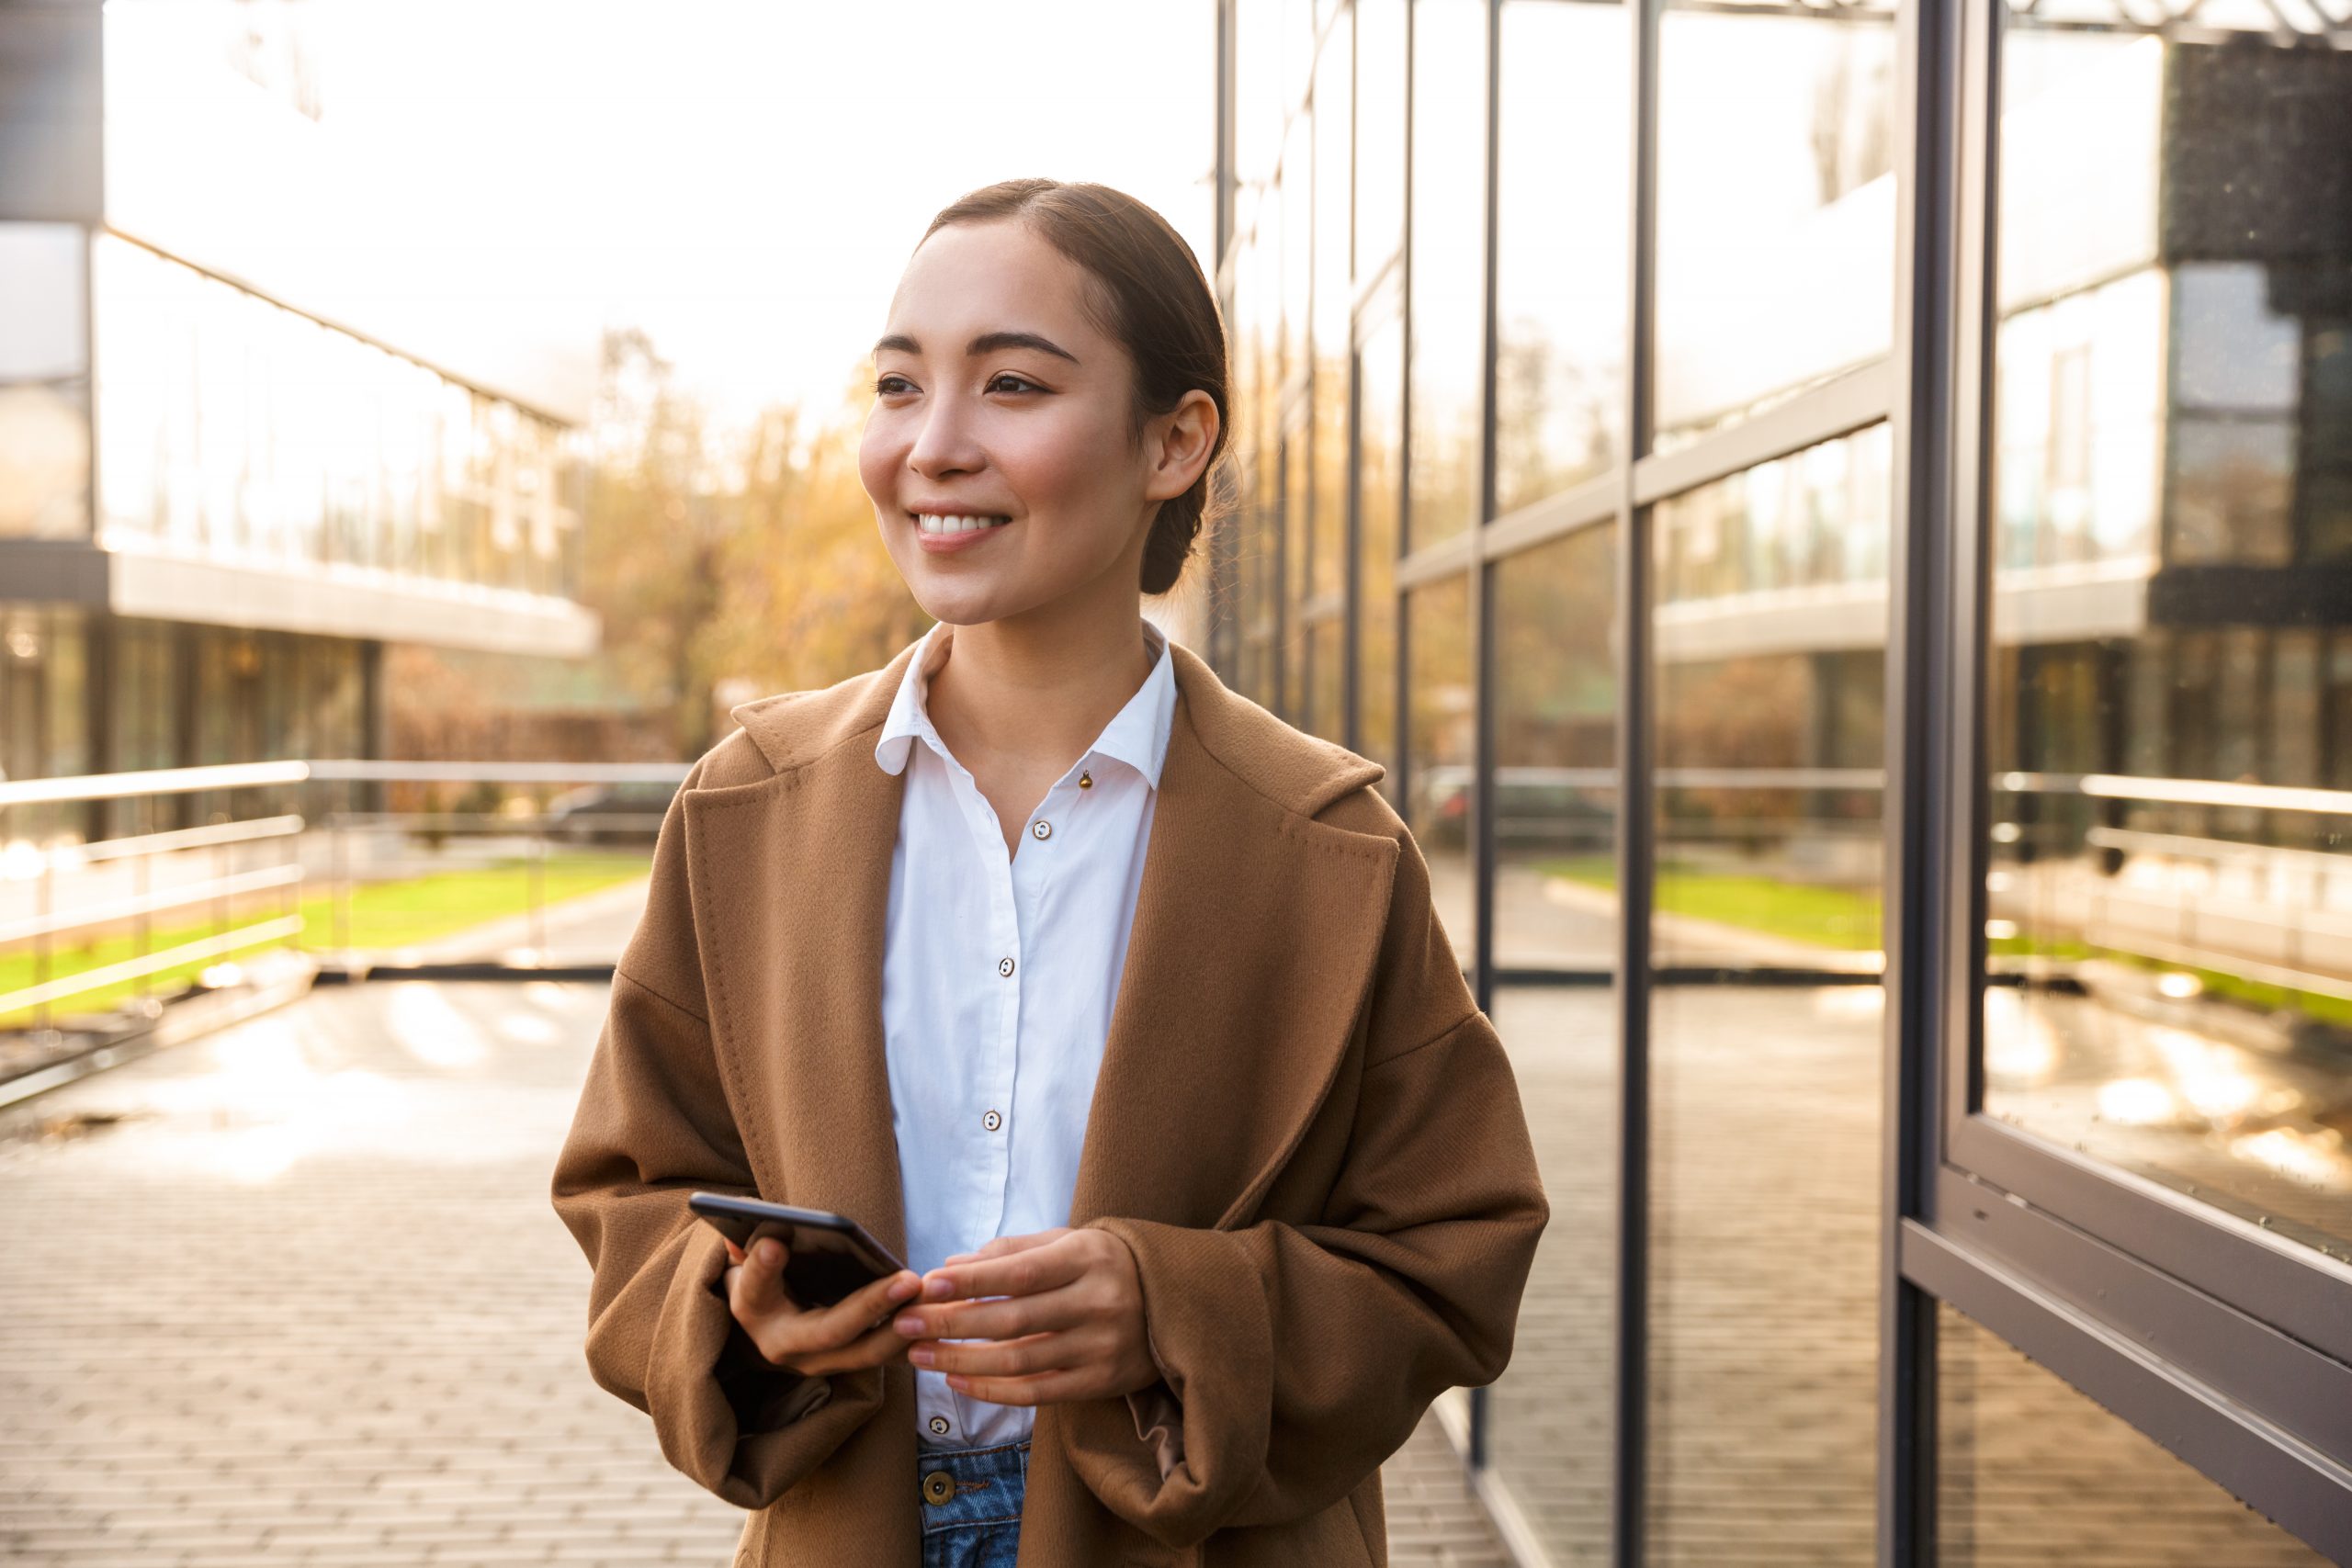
(1152, 297)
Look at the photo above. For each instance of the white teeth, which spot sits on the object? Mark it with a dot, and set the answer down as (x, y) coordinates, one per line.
(931, 522)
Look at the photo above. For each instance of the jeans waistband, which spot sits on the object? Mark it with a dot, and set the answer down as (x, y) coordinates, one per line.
(971, 1486)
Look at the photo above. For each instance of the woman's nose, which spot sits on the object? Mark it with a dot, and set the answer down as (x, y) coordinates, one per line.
(944, 444)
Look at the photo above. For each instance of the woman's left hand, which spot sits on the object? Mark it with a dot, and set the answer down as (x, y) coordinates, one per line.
(1070, 1328)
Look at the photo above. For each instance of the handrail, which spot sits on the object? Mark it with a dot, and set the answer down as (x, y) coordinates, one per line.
(245, 775)
(255, 880)
(149, 963)
(2181, 791)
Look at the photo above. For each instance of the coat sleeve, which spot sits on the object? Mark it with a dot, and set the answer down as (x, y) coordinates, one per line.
(1297, 1358)
(653, 1124)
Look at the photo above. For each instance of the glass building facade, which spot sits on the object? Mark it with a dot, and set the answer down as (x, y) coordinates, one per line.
(221, 500)
(1838, 520)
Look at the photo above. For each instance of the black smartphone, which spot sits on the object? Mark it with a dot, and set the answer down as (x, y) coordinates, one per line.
(827, 1255)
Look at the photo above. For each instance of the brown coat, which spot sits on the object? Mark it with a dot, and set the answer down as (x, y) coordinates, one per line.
(1304, 1127)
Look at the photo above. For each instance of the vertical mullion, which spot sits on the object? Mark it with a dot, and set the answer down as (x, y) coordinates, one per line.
(1919, 651)
(1482, 618)
(1636, 822)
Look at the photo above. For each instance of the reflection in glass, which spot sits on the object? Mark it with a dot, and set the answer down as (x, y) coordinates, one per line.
(2167, 891)
(1549, 1416)
(1775, 205)
(1770, 633)
(1560, 247)
(1327, 557)
(1380, 133)
(1296, 486)
(2031, 1473)
(236, 429)
(1448, 266)
(1327, 669)
(45, 383)
(1555, 748)
(1441, 735)
(1556, 910)
(1380, 369)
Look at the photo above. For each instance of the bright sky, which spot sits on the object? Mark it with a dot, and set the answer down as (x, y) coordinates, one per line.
(745, 178)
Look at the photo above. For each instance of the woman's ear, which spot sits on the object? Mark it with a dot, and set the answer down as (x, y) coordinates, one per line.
(1177, 445)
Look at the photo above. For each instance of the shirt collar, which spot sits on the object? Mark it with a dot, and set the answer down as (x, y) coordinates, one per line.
(1136, 735)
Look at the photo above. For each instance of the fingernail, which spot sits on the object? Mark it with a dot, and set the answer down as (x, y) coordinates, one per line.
(938, 1288)
(769, 1251)
(922, 1357)
(909, 1326)
(903, 1287)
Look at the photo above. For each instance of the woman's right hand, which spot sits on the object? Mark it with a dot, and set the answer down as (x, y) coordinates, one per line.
(814, 1340)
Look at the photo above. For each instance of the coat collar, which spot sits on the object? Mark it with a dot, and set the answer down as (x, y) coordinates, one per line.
(1250, 956)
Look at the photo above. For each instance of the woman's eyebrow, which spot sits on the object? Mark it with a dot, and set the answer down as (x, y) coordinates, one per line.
(989, 343)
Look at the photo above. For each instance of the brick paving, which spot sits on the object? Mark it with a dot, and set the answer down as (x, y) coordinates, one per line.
(292, 1294)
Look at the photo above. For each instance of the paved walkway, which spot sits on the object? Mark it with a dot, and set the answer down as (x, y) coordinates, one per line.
(293, 1294)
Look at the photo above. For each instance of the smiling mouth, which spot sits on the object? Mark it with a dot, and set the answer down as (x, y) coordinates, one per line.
(941, 525)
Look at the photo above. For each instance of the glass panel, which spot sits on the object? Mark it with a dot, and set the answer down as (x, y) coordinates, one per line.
(41, 276)
(1296, 481)
(44, 384)
(2168, 662)
(1770, 631)
(1327, 669)
(1775, 205)
(1555, 751)
(1560, 247)
(2033, 1473)
(1765, 1091)
(1441, 738)
(1549, 1416)
(1380, 368)
(1449, 270)
(237, 429)
(1327, 560)
(1380, 133)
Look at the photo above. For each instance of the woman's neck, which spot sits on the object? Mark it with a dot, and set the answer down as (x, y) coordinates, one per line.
(1011, 698)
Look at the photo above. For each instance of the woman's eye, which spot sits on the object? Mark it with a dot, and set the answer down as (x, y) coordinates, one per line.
(888, 386)
(1019, 383)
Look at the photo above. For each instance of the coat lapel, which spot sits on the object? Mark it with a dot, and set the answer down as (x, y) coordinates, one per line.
(1253, 943)
(1255, 935)
(790, 881)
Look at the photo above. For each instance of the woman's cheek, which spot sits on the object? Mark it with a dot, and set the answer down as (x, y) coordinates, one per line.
(873, 465)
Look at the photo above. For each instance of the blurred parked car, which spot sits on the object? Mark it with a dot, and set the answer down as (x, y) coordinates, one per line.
(627, 812)
(1535, 808)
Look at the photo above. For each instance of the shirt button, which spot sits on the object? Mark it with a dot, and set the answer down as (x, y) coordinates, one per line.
(938, 1425)
(992, 1120)
(1004, 965)
(1043, 829)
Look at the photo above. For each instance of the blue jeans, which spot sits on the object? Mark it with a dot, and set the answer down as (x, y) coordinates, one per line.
(971, 1505)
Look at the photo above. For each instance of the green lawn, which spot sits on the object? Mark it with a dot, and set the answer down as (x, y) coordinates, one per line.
(1839, 918)
(380, 915)
(1826, 917)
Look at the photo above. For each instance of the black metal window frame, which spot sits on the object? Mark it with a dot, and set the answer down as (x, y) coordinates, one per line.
(2228, 1345)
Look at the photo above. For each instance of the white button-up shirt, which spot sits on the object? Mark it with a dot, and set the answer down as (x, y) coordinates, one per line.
(998, 973)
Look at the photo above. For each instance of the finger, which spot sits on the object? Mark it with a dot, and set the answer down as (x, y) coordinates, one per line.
(1000, 1358)
(1045, 1388)
(864, 1307)
(1004, 1319)
(1004, 1244)
(1042, 1267)
(875, 1349)
(734, 1253)
(758, 1290)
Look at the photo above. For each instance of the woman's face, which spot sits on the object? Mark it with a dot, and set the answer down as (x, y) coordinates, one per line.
(996, 398)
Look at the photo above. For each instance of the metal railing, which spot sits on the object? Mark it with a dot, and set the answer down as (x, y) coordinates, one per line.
(62, 889)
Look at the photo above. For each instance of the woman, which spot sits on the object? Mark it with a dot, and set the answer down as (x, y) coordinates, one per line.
(1154, 1064)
